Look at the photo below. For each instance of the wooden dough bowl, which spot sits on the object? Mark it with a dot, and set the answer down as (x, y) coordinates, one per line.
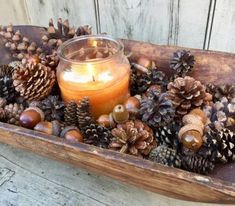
(219, 187)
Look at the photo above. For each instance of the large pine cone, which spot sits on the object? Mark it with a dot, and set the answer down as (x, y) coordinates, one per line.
(168, 135)
(222, 113)
(186, 93)
(220, 91)
(197, 164)
(13, 112)
(34, 81)
(165, 155)
(133, 137)
(7, 89)
(52, 107)
(182, 62)
(219, 146)
(156, 109)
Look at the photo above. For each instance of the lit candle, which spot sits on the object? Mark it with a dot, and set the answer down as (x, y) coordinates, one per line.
(104, 80)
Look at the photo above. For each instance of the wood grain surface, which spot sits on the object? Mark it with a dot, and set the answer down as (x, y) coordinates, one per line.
(142, 173)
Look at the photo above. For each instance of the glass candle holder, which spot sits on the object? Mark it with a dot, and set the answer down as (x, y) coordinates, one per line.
(94, 66)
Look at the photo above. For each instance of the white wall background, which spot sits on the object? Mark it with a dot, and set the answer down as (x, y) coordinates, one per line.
(204, 24)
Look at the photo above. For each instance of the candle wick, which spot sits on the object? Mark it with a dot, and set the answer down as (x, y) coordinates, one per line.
(93, 78)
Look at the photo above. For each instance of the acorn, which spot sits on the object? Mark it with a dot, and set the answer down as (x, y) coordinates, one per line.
(72, 134)
(145, 62)
(30, 117)
(51, 128)
(132, 105)
(120, 114)
(106, 120)
(190, 136)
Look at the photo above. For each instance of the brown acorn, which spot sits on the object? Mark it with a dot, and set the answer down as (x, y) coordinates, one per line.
(106, 120)
(120, 114)
(145, 62)
(201, 114)
(132, 105)
(72, 134)
(190, 136)
(51, 128)
(30, 117)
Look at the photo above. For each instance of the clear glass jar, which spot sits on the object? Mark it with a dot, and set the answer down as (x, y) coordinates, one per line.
(94, 66)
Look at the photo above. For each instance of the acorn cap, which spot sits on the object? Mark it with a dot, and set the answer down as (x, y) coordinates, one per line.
(66, 129)
(41, 113)
(56, 128)
(189, 127)
(199, 113)
(192, 119)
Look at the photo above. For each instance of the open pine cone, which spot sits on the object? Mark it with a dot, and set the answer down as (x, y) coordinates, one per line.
(186, 93)
(156, 109)
(182, 62)
(133, 137)
(219, 146)
(166, 156)
(7, 89)
(33, 81)
(222, 113)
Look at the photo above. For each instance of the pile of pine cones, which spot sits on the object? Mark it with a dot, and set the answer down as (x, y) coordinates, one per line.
(176, 121)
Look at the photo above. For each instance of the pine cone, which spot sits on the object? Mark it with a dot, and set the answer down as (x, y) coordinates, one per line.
(165, 155)
(7, 89)
(197, 164)
(93, 133)
(182, 62)
(168, 135)
(133, 137)
(13, 112)
(70, 114)
(186, 93)
(3, 102)
(222, 113)
(19, 46)
(219, 146)
(52, 107)
(2, 115)
(142, 78)
(34, 81)
(156, 109)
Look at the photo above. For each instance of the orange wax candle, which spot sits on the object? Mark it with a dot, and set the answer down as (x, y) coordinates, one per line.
(104, 80)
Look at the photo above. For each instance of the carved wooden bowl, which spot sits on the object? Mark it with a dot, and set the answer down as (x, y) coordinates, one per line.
(219, 187)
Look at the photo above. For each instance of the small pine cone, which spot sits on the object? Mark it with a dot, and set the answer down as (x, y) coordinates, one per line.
(220, 91)
(7, 89)
(221, 114)
(197, 164)
(182, 62)
(84, 30)
(219, 146)
(13, 112)
(84, 116)
(166, 156)
(34, 81)
(186, 93)
(168, 135)
(156, 109)
(70, 114)
(142, 78)
(133, 137)
(96, 135)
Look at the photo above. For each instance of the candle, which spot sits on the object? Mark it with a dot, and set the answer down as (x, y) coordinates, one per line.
(96, 70)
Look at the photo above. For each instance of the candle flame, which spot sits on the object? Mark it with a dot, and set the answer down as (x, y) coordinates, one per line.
(91, 71)
(94, 43)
